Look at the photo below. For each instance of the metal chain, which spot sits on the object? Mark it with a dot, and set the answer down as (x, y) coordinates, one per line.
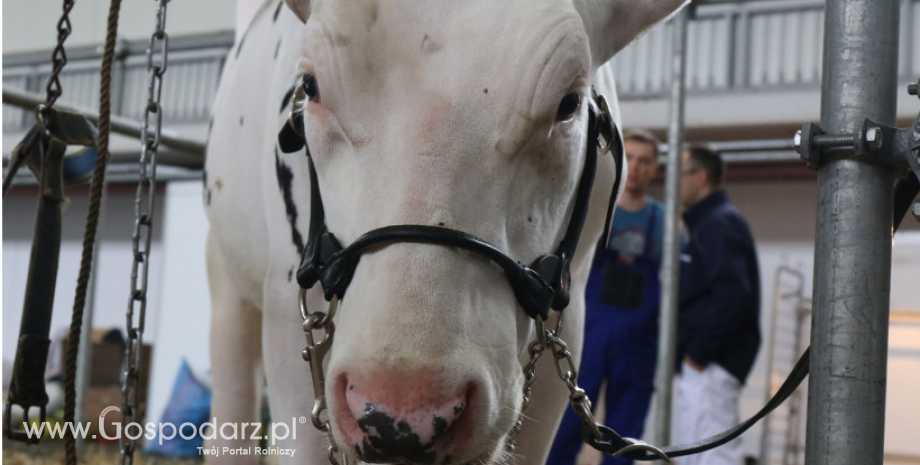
(157, 59)
(568, 373)
(530, 376)
(315, 353)
(594, 434)
(58, 61)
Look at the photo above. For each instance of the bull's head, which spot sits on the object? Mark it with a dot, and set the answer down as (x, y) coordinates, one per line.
(470, 116)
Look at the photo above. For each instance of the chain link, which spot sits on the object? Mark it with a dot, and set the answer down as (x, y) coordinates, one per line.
(567, 371)
(535, 350)
(593, 433)
(53, 88)
(143, 224)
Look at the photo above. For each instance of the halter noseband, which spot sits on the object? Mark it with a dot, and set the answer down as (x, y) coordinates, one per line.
(538, 288)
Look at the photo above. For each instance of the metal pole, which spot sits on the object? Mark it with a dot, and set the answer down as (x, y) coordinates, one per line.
(670, 263)
(120, 125)
(846, 408)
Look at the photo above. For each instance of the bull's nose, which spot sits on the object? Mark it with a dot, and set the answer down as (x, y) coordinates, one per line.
(403, 417)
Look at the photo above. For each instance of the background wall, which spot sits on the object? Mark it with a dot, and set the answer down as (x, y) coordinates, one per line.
(29, 25)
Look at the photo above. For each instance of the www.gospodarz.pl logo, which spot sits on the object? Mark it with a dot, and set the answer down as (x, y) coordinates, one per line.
(166, 431)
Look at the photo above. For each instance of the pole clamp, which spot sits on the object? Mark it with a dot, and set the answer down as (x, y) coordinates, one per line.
(873, 142)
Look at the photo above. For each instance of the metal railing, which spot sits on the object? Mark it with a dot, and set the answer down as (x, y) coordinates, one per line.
(748, 46)
(741, 46)
(195, 65)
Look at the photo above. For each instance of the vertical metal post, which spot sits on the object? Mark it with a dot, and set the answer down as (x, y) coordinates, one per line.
(119, 76)
(670, 263)
(741, 50)
(846, 409)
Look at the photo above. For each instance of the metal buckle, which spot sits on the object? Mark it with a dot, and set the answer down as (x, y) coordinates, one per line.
(607, 130)
(296, 113)
(24, 434)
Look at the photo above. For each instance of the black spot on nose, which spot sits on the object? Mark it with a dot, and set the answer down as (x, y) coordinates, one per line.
(387, 440)
(440, 425)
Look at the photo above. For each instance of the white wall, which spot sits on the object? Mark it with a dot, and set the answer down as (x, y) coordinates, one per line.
(184, 315)
(111, 291)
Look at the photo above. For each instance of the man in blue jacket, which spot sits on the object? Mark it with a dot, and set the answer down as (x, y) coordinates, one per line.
(719, 322)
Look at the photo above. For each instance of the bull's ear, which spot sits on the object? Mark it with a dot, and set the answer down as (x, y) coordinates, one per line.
(613, 24)
(301, 8)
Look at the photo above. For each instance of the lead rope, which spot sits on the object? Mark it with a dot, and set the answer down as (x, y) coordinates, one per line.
(143, 223)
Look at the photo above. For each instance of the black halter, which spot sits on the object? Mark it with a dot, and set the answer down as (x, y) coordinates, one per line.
(542, 286)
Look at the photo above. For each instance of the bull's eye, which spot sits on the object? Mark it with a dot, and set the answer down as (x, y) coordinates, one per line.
(568, 106)
(310, 87)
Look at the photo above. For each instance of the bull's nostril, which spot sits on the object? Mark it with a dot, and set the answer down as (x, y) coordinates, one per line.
(403, 428)
(405, 417)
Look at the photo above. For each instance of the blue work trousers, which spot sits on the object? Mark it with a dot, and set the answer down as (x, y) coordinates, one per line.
(629, 373)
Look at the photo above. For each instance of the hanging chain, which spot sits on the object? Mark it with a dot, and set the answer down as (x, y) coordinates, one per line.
(58, 61)
(315, 353)
(157, 58)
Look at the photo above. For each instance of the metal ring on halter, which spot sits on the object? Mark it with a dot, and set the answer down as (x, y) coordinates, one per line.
(303, 304)
(305, 312)
(541, 332)
(638, 445)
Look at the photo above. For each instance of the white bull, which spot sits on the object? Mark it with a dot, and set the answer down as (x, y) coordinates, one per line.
(469, 115)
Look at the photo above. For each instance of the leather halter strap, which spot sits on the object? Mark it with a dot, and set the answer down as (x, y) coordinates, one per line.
(538, 288)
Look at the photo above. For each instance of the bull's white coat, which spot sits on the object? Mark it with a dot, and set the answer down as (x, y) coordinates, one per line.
(434, 113)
